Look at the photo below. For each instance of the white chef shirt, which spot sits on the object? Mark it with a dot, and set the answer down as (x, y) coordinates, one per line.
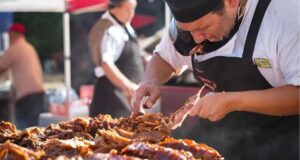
(113, 42)
(278, 41)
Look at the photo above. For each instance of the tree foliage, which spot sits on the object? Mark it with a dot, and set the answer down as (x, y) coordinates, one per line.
(44, 31)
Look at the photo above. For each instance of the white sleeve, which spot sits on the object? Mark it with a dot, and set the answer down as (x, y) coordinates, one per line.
(168, 52)
(110, 48)
(289, 57)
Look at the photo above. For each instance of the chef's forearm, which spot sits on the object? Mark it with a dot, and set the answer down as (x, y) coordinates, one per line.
(275, 101)
(158, 71)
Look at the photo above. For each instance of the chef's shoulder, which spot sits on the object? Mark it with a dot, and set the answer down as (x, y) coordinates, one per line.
(117, 32)
(111, 30)
(99, 28)
(286, 11)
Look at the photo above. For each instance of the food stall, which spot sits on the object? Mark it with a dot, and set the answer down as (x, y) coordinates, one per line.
(58, 6)
(102, 137)
(66, 7)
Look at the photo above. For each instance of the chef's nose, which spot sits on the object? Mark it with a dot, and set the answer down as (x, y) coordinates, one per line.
(198, 36)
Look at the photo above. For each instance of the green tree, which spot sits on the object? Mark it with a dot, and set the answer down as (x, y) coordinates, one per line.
(44, 31)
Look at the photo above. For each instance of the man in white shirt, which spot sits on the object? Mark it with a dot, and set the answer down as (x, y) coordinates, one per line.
(247, 54)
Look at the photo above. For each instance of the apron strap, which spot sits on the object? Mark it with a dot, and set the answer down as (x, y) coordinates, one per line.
(254, 27)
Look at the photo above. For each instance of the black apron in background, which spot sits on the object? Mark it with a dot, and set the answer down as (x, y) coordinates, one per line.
(107, 98)
(28, 109)
(245, 135)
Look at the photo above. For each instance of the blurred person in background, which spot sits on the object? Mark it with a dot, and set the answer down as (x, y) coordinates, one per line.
(21, 60)
(117, 57)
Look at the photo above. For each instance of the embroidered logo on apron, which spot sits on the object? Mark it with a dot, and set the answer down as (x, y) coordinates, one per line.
(262, 63)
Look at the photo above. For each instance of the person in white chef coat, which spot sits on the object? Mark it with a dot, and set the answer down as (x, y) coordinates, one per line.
(246, 53)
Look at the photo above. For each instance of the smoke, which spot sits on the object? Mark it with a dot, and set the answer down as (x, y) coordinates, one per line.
(243, 136)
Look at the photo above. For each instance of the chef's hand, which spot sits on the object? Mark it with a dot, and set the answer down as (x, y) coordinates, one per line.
(214, 106)
(146, 89)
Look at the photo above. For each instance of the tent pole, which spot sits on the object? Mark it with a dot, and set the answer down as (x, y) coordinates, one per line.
(67, 55)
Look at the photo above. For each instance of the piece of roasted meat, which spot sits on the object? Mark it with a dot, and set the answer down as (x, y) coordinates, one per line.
(200, 151)
(108, 140)
(68, 148)
(8, 131)
(153, 151)
(146, 127)
(10, 151)
(102, 122)
(69, 134)
(32, 138)
(112, 155)
(76, 125)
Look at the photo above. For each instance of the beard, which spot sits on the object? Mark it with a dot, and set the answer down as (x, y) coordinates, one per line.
(226, 30)
(229, 28)
(215, 39)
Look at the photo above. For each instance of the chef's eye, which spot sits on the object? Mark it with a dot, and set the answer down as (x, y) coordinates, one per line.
(185, 36)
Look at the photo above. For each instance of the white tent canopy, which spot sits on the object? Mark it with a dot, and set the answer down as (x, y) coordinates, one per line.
(45, 6)
(60, 6)
(32, 6)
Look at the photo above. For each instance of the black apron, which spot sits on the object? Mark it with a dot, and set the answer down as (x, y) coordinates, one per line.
(107, 98)
(244, 135)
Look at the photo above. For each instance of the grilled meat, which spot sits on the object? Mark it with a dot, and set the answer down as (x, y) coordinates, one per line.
(112, 155)
(32, 138)
(103, 137)
(153, 151)
(108, 140)
(8, 131)
(201, 151)
(9, 151)
(69, 148)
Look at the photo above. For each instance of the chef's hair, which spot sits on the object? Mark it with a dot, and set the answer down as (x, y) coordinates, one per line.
(116, 3)
(219, 7)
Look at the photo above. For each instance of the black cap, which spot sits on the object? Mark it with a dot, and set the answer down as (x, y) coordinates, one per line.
(191, 10)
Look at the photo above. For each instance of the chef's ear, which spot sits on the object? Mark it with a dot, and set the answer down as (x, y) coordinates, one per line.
(231, 3)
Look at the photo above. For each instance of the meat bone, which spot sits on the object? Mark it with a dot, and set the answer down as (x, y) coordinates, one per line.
(176, 118)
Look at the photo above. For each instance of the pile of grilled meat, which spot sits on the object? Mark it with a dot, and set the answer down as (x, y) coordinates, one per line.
(101, 138)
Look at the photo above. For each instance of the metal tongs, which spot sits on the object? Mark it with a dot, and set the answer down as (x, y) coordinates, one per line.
(176, 118)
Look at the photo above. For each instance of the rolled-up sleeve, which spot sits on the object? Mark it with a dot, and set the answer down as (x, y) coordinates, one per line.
(168, 52)
(290, 58)
(108, 49)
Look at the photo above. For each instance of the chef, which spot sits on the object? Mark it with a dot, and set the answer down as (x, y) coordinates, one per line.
(246, 53)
